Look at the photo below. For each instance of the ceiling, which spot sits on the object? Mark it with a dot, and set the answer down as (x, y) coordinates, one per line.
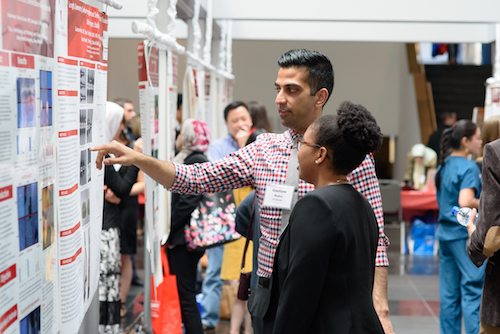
(443, 21)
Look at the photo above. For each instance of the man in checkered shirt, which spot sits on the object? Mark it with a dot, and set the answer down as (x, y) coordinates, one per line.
(303, 86)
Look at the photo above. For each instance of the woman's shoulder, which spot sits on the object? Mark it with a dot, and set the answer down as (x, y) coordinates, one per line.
(324, 195)
(472, 165)
(460, 163)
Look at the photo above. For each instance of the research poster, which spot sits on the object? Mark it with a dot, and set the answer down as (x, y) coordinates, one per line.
(149, 100)
(492, 99)
(53, 77)
(172, 61)
(190, 105)
(28, 247)
(81, 69)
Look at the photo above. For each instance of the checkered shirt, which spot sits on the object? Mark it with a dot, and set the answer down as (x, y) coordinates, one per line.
(265, 162)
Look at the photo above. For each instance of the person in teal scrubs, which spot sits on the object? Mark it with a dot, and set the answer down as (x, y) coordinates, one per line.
(458, 183)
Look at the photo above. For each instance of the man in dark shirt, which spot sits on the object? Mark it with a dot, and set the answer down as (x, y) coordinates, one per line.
(445, 119)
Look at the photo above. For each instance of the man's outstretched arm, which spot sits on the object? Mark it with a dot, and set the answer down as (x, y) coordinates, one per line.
(161, 171)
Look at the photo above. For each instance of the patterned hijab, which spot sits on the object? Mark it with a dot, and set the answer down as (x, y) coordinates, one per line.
(195, 137)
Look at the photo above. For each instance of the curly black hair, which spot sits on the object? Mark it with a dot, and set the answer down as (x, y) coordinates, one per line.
(349, 136)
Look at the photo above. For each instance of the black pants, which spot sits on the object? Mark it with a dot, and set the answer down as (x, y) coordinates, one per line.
(258, 304)
(183, 264)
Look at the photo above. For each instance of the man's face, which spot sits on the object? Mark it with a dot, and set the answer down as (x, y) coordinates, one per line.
(128, 112)
(238, 119)
(294, 101)
(449, 121)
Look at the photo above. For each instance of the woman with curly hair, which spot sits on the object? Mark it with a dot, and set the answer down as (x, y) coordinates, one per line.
(324, 266)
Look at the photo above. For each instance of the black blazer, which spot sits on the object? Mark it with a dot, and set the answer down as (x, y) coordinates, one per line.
(484, 243)
(324, 266)
(121, 185)
(183, 206)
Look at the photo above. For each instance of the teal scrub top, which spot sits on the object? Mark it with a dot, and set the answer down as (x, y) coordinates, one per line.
(457, 173)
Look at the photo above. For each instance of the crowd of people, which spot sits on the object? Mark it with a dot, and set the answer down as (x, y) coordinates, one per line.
(319, 253)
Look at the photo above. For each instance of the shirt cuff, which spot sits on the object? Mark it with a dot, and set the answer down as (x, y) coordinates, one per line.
(381, 260)
(179, 176)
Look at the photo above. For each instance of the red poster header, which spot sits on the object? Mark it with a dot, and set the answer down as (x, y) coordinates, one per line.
(70, 231)
(86, 64)
(141, 64)
(67, 93)
(5, 193)
(71, 259)
(7, 275)
(23, 61)
(28, 26)
(67, 61)
(4, 59)
(195, 82)
(102, 67)
(69, 133)
(153, 66)
(68, 191)
(86, 27)
(8, 318)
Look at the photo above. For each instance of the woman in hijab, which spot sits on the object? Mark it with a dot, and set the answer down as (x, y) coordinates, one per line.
(110, 264)
(193, 141)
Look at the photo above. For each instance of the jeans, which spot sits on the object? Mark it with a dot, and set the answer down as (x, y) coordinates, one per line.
(212, 287)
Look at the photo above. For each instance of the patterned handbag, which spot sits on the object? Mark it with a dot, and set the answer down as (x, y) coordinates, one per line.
(212, 222)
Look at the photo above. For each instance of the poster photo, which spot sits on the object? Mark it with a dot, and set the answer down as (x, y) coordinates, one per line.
(492, 99)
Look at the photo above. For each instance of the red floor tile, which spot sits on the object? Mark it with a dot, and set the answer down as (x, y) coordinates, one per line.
(418, 308)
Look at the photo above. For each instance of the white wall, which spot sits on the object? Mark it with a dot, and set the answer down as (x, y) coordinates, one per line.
(372, 74)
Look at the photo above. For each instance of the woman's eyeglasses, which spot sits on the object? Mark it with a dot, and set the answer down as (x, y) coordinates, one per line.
(301, 143)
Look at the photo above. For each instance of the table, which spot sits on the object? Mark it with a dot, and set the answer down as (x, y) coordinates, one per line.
(417, 201)
(413, 203)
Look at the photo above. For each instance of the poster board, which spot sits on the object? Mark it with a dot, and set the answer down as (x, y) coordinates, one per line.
(492, 99)
(53, 73)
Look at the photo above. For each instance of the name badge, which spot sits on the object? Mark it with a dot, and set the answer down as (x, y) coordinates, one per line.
(279, 196)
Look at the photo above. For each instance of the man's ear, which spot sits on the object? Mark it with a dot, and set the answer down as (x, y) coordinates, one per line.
(321, 97)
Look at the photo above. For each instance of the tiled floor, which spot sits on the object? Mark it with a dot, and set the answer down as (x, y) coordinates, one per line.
(413, 292)
(413, 296)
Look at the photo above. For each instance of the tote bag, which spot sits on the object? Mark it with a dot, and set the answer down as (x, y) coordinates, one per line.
(165, 306)
(212, 222)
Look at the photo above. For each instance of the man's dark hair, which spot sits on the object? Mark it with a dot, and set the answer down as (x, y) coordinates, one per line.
(121, 101)
(179, 101)
(234, 105)
(444, 115)
(317, 64)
